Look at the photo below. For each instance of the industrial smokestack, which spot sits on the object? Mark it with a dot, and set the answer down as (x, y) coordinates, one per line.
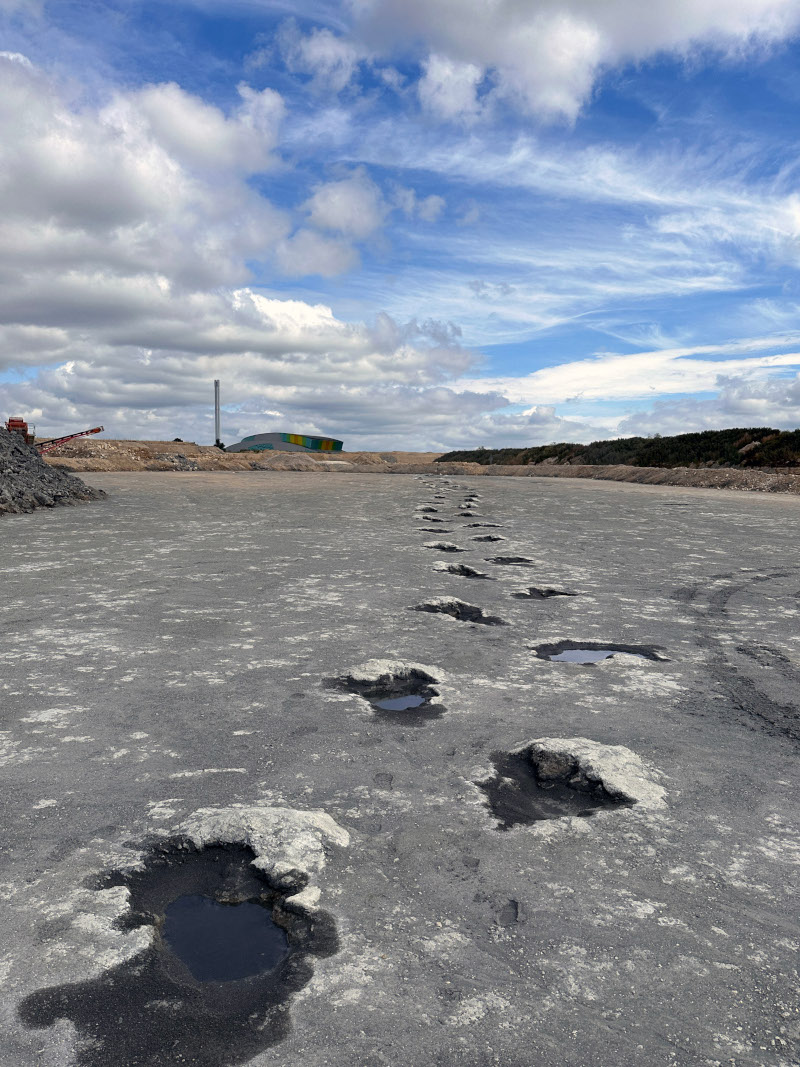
(217, 442)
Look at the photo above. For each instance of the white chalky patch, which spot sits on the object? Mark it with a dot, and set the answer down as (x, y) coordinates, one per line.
(209, 770)
(283, 839)
(474, 1009)
(623, 774)
(52, 715)
(384, 670)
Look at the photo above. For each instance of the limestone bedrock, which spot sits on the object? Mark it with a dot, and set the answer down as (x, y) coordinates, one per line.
(170, 666)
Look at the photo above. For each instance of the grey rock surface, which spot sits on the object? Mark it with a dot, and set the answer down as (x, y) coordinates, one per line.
(581, 762)
(27, 483)
(170, 675)
(444, 546)
(285, 841)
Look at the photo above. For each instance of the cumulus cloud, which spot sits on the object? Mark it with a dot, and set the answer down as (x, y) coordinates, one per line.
(308, 252)
(380, 415)
(352, 206)
(774, 403)
(427, 208)
(545, 56)
(198, 134)
(129, 189)
(449, 88)
(125, 238)
(329, 59)
(150, 365)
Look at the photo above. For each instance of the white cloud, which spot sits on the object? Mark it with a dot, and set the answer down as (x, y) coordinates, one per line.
(176, 400)
(332, 61)
(308, 252)
(737, 403)
(545, 56)
(429, 208)
(149, 367)
(643, 374)
(352, 206)
(200, 135)
(448, 88)
(124, 240)
(16, 57)
(123, 191)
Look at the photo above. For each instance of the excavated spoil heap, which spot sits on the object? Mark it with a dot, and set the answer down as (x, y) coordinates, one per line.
(27, 482)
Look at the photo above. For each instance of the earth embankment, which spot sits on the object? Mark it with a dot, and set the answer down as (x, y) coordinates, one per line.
(110, 455)
(118, 455)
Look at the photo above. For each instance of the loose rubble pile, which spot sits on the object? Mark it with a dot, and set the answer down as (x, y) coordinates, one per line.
(27, 482)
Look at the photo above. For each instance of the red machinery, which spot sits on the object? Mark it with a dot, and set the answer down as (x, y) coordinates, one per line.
(17, 425)
(20, 426)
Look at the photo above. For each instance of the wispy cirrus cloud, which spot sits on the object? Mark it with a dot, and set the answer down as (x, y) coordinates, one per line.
(638, 375)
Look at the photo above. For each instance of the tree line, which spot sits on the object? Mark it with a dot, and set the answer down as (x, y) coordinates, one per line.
(756, 447)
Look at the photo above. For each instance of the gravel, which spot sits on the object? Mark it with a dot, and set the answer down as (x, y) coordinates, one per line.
(27, 482)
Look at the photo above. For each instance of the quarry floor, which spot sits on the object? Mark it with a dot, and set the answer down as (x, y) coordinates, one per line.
(170, 649)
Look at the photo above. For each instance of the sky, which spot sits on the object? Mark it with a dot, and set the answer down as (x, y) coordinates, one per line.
(407, 224)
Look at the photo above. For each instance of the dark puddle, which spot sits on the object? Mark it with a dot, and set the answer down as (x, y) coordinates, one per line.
(458, 609)
(483, 525)
(593, 652)
(511, 561)
(541, 594)
(402, 698)
(466, 572)
(517, 796)
(434, 529)
(222, 942)
(215, 986)
(399, 703)
(418, 715)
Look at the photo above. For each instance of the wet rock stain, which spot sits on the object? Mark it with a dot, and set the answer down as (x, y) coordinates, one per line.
(517, 795)
(152, 1011)
(460, 610)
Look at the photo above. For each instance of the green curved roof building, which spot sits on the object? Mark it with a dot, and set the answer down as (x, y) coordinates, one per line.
(285, 442)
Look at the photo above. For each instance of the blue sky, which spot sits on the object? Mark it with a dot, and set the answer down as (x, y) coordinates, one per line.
(407, 224)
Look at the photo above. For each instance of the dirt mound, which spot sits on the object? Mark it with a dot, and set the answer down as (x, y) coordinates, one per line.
(109, 455)
(27, 482)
